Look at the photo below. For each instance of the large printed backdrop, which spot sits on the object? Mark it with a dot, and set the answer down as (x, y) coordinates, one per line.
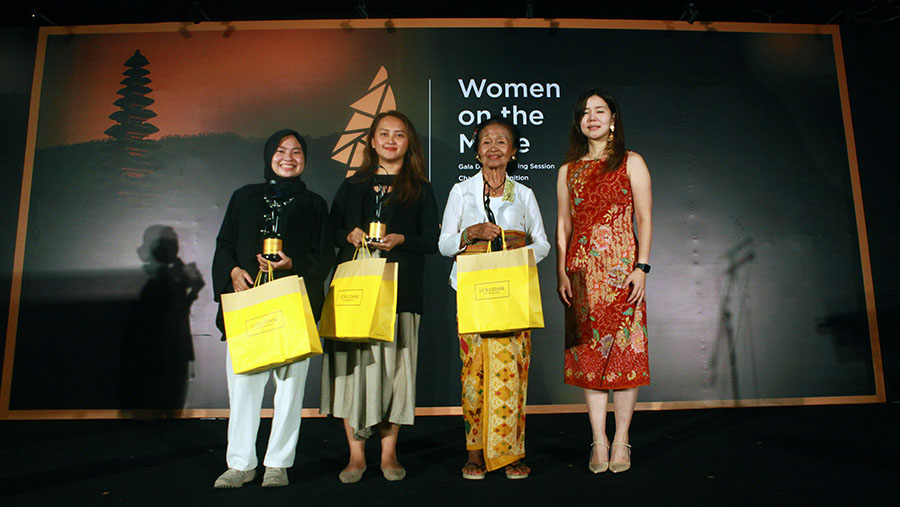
(756, 290)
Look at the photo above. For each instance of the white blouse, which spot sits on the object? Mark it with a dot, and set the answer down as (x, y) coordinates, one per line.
(465, 207)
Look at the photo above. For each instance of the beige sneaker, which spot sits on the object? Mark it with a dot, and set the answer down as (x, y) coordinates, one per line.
(275, 477)
(234, 478)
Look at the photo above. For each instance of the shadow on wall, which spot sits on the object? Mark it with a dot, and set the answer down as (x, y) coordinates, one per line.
(157, 349)
(733, 327)
(845, 329)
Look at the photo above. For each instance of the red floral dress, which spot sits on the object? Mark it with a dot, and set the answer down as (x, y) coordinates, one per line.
(606, 337)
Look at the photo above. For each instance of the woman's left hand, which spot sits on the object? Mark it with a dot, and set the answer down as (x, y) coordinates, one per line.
(638, 281)
(388, 242)
(285, 264)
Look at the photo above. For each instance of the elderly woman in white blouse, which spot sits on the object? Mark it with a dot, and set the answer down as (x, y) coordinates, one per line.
(493, 404)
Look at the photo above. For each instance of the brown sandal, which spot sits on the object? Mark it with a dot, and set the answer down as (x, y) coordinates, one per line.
(515, 470)
(479, 475)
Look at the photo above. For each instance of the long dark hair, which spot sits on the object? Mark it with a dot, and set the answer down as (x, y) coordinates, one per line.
(514, 134)
(578, 143)
(412, 174)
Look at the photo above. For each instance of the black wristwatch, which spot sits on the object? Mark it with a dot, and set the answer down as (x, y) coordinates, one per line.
(643, 267)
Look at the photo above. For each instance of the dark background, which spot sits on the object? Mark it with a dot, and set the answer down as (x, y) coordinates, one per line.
(869, 50)
(845, 12)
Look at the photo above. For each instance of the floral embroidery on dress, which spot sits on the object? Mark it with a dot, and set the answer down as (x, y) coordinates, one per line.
(509, 191)
(606, 340)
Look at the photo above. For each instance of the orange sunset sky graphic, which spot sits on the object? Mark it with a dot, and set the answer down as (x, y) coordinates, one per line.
(206, 83)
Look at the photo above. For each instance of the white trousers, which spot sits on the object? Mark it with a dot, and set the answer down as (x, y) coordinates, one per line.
(245, 396)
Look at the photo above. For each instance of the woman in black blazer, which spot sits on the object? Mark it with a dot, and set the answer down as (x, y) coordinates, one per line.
(372, 384)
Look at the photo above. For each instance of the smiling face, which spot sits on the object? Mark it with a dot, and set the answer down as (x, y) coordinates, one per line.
(596, 119)
(390, 140)
(495, 146)
(288, 160)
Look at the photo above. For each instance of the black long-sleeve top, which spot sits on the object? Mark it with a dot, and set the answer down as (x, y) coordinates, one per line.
(307, 241)
(354, 206)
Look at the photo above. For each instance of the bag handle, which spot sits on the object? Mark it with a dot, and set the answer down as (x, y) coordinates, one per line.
(503, 236)
(260, 272)
(365, 248)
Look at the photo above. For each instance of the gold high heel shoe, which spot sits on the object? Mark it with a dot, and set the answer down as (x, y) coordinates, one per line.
(617, 467)
(601, 467)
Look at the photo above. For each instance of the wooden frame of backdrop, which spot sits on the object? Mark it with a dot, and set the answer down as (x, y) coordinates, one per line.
(19, 254)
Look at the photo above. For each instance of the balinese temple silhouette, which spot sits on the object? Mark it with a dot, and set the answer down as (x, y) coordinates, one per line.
(130, 149)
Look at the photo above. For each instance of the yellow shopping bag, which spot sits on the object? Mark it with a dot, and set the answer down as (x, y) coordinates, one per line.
(362, 301)
(498, 292)
(270, 325)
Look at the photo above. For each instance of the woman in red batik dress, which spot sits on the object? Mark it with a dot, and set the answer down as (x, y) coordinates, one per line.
(602, 271)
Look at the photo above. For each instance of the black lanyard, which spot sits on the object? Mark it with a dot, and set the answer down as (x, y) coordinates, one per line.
(496, 243)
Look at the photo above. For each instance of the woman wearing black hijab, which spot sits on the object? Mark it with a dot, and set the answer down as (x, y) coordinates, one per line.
(303, 225)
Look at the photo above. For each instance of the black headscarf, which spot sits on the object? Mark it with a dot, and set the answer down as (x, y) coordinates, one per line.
(282, 185)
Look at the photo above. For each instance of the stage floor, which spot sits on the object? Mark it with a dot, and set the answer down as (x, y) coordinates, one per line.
(826, 455)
